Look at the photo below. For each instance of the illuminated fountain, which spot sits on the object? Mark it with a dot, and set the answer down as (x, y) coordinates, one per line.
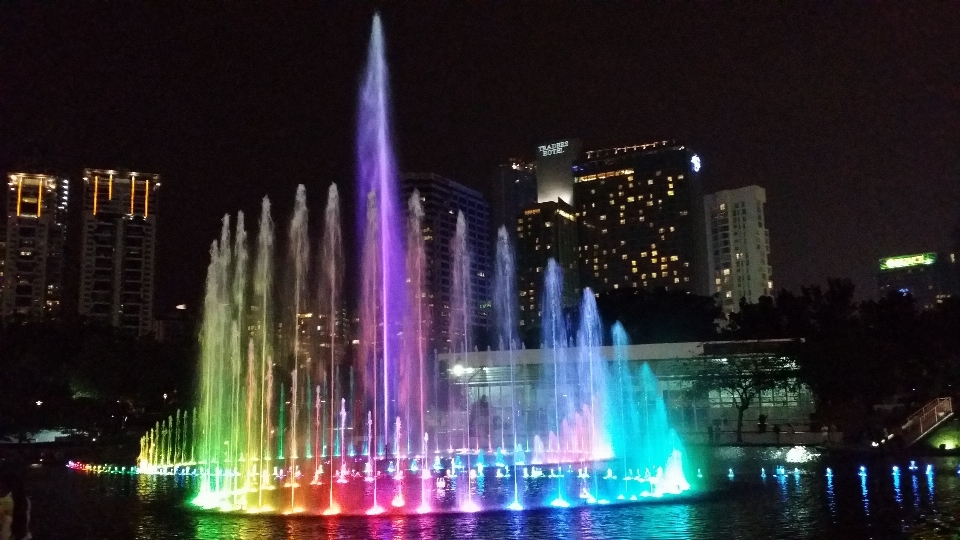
(293, 418)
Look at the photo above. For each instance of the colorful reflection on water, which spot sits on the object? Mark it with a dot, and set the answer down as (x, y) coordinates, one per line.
(795, 500)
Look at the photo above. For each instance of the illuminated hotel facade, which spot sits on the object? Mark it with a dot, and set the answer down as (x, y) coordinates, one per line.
(117, 260)
(738, 246)
(544, 230)
(640, 210)
(36, 229)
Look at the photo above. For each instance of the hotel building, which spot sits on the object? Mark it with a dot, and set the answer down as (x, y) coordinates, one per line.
(738, 246)
(117, 261)
(544, 230)
(36, 229)
(640, 211)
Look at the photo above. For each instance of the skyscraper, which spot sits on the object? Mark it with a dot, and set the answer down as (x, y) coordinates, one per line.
(738, 245)
(441, 199)
(640, 211)
(119, 235)
(544, 231)
(514, 188)
(36, 229)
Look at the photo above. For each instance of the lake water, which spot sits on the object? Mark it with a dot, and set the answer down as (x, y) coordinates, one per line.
(807, 504)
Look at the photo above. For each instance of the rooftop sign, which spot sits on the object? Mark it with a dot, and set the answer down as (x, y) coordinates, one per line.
(906, 261)
(552, 149)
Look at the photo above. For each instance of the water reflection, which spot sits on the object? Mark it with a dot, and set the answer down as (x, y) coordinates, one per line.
(804, 502)
(897, 495)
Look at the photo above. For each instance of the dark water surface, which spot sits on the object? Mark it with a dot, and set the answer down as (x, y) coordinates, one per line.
(76, 505)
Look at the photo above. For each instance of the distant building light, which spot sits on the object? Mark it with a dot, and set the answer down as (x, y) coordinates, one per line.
(695, 161)
(906, 261)
(181, 306)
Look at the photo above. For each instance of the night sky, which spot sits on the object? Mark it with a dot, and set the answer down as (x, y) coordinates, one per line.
(848, 115)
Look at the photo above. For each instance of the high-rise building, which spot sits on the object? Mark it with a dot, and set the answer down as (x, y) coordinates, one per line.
(441, 199)
(640, 211)
(514, 187)
(544, 231)
(928, 277)
(117, 261)
(555, 170)
(36, 229)
(738, 245)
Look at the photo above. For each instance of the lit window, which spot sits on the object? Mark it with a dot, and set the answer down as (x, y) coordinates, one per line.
(726, 271)
(676, 280)
(634, 270)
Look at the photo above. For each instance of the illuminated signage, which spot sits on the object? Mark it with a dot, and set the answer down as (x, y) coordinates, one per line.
(695, 161)
(553, 149)
(906, 261)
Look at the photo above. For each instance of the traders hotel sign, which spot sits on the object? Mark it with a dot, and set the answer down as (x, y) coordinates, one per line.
(553, 149)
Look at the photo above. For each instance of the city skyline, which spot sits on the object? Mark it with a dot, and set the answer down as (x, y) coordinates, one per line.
(226, 124)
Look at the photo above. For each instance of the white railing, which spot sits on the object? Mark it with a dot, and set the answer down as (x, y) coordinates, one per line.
(926, 419)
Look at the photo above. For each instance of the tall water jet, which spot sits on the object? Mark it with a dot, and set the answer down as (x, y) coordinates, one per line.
(460, 320)
(240, 350)
(299, 255)
(505, 314)
(263, 338)
(377, 175)
(214, 351)
(331, 281)
(593, 369)
(413, 387)
(622, 406)
(553, 342)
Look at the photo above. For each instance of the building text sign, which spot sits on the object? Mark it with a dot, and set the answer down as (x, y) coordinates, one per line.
(904, 261)
(553, 149)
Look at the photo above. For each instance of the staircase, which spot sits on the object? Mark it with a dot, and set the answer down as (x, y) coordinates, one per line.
(928, 418)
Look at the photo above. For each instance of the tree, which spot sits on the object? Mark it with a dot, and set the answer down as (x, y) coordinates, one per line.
(744, 377)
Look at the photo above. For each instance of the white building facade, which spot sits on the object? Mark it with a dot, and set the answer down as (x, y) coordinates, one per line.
(738, 245)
